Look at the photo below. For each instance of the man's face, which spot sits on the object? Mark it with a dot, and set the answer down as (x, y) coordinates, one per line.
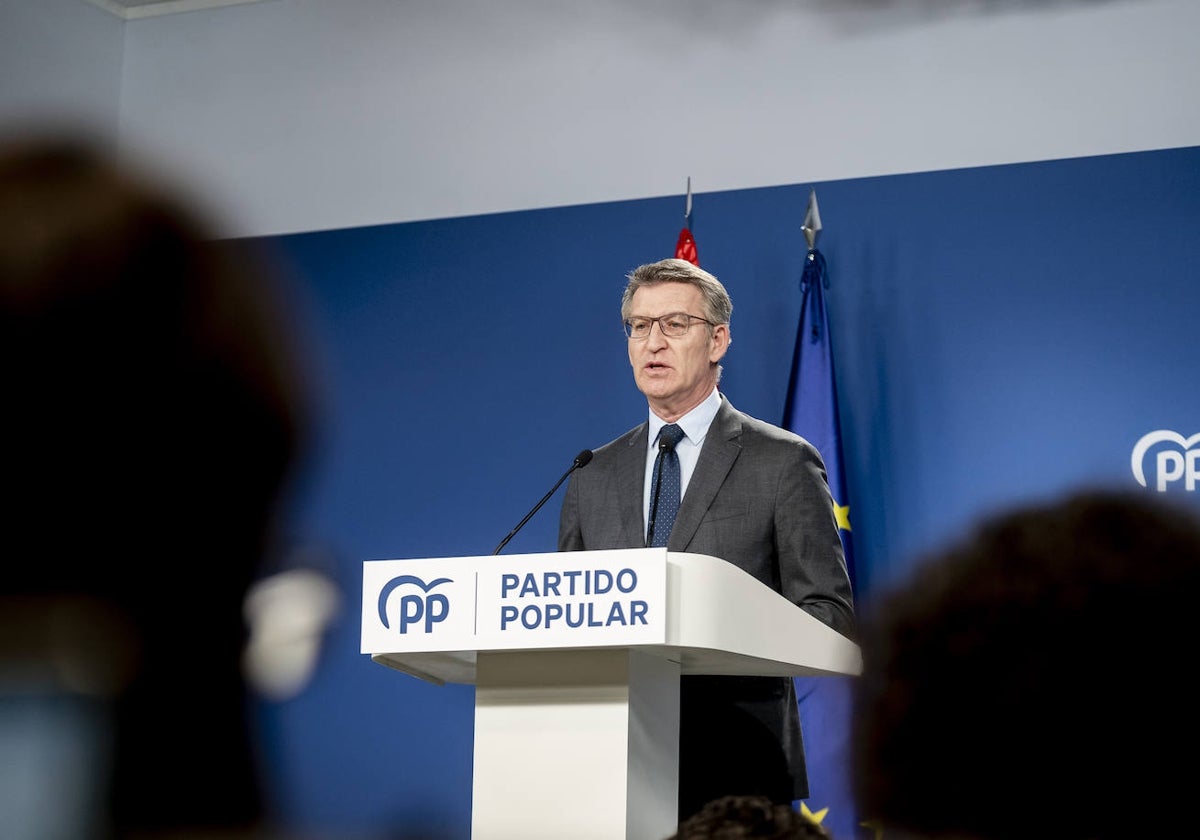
(675, 374)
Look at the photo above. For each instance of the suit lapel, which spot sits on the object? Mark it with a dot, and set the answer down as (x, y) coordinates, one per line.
(631, 472)
(722, 445)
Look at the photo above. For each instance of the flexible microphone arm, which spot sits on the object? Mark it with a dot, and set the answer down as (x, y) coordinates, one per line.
(581, 460)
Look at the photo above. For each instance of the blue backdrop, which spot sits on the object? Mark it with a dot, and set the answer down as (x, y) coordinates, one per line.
(1000, 334)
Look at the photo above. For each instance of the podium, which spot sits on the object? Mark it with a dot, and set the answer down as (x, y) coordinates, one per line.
(576, 658)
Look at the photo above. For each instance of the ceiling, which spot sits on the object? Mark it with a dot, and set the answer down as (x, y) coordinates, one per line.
(879, 11)
(131, 9)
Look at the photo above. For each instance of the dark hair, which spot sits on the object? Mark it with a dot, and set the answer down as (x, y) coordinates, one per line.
(1040, 660)
(154, 411)
(736, 817)
(137, 347)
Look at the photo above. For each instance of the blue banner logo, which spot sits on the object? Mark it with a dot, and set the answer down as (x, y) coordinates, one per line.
(1176, 458)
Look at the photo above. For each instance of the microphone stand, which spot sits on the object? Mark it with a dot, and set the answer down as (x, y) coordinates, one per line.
(580, 460)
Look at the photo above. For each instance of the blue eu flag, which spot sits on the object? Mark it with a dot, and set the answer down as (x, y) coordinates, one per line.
(811, 411)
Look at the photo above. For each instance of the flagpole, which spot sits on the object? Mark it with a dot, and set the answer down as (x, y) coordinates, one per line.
(685, 245)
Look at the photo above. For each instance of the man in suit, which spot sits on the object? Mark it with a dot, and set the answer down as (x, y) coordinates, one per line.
(752, 493)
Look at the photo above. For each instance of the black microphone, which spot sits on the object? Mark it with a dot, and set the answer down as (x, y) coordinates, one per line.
(581, 460)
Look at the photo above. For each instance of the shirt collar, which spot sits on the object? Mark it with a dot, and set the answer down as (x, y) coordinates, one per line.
(695, 423)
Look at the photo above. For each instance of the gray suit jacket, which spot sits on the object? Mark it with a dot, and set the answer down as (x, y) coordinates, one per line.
(758, 498)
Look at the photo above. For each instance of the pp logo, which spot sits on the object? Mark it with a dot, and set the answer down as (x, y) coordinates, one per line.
(414, 607)
(1174, 459)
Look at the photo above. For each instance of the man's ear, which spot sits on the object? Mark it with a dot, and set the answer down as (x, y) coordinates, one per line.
(721, 339)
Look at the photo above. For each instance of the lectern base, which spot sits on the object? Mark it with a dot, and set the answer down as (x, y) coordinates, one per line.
(576, 743)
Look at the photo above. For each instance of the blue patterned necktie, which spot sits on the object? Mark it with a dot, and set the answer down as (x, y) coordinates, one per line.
(665, 487)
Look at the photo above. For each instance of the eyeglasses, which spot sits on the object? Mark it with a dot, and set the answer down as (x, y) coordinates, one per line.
(672, 325)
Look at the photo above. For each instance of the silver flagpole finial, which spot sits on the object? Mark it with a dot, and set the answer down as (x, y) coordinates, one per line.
(812, 221)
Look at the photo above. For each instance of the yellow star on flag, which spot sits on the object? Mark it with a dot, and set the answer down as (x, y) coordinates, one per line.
(817, 817)
(842, 512)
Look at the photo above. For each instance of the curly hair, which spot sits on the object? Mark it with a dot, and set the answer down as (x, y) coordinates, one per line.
(737, 817)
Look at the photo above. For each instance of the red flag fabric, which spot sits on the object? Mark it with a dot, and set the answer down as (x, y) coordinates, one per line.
(685, 248)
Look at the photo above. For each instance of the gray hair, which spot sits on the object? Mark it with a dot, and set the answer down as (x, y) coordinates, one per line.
(718, 308)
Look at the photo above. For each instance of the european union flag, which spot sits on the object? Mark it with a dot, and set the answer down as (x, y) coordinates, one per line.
(811, 411)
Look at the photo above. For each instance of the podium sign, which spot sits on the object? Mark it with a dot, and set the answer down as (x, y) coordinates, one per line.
(515, 602)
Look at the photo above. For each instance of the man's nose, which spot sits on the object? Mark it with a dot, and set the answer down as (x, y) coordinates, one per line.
(656, 337)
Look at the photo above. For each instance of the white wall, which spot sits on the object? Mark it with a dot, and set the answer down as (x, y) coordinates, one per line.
(60, 63)
(297, 115)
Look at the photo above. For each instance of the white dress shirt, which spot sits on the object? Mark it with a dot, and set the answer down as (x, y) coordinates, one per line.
(695, 427)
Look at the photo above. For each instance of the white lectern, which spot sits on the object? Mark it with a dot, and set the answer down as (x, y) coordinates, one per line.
(576, 659)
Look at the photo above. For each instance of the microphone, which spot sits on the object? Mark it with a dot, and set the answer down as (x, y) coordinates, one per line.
(581, 460)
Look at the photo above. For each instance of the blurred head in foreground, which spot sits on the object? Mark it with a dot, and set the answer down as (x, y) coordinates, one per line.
(1033, 679)
(154, 412)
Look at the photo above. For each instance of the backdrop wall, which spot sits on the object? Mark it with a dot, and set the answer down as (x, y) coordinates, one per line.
(1001, 334)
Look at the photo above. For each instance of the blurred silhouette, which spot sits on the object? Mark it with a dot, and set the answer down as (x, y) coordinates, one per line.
(155, 411)
(1033, 681)
(735, 817)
